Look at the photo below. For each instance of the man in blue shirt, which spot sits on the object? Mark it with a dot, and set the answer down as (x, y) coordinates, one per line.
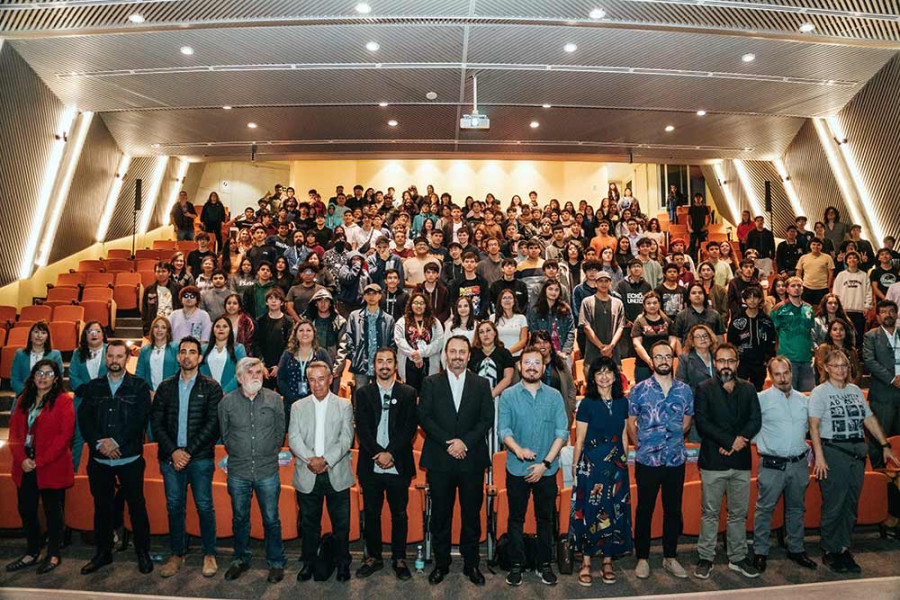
(659, 415)
(534, 428)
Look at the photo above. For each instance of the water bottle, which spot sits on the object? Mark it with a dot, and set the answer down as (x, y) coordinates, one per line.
(420, 559)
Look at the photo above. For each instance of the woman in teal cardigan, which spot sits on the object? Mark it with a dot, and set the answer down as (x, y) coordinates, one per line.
(88, 362)
(161, 341)
(38, 347)
(223, 351)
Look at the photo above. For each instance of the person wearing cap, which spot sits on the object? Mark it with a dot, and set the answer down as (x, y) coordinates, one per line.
(603, 319)
(368, 329)
(299, 296)
(330, 326)
(190, 320)
(378, 263)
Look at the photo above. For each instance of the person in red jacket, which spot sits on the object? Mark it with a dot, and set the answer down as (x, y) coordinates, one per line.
(40, 437)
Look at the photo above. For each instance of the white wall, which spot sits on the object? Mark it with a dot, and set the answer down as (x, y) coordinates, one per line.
(241, 184)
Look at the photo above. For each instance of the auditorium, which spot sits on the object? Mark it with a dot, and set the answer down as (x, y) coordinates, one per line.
(342, 298)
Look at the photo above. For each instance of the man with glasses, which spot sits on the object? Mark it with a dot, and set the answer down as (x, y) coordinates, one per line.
(728, 416)
(534, 428)
(190, 320)
(659, 414)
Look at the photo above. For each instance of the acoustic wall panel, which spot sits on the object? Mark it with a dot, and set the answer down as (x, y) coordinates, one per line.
(141, 167)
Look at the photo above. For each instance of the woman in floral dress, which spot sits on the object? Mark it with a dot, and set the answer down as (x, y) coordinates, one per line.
(601, 501)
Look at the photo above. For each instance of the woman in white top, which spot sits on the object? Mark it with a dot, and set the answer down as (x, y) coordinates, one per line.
(511, 324)
(419, 338)
(158, 360)
(220, 357)
(461, 322)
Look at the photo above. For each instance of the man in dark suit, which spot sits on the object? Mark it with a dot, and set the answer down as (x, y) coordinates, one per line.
(386, 424)
(881, 354)
(456, 411)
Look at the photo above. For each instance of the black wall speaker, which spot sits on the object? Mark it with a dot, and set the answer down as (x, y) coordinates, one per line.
(137, 194)
(768, 196)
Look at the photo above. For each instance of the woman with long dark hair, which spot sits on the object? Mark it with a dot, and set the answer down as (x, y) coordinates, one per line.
(550, 313)
(419, 338)
(601, 506)
(650, 327)
(511, 324)
(835, 230)
(88, 362)
(38, 346)
(571, 264)
(40, 438)
(623, 251)
(840, 336)
(241, 323)
(829, 309)
(221, 355)
(212, 216)
(244, 278)
(302, 349)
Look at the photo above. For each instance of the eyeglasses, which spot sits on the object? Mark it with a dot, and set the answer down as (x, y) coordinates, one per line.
(726, 361)
(663, 357)
(839, 365)
(532, 362)
(701, 336)
(189, 295)
(46, 373)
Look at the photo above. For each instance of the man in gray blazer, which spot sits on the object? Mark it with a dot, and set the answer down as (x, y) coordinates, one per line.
(881, 353)
(320, 435)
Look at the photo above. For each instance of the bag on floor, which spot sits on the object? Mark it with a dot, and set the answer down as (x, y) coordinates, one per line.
(324, 564)
(565, 555)
(501, 553)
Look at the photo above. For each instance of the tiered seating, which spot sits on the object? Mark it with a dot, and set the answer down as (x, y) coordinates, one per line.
(99, 305)
(61, 296)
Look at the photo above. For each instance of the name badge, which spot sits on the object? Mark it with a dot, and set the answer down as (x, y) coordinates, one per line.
(304, 388)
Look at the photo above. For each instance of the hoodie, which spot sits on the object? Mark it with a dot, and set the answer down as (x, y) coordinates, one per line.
(353, 279)
(330, 329)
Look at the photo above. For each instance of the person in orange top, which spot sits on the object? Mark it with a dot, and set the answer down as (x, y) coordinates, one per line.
(603, 238)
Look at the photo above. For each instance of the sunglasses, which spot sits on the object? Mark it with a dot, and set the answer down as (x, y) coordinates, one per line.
(189, 295)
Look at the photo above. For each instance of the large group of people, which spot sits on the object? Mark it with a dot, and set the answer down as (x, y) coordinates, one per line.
(465, 320)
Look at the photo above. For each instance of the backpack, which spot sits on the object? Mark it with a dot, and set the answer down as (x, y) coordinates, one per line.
(323, 566)
(501, 554)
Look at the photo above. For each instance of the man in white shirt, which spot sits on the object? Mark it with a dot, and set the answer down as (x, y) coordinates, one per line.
(783, 467)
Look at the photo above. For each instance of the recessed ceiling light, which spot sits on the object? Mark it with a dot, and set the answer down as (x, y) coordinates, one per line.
(670, 128)
(372, 46)
(546, 105)
(226, 107)
(598, 13)
(382, 104)
(187, 50)
(431, 95)
(701, 113)
(393, 123)
(252, 125)
(806, 27)
(829, 82)
(136, 18)
(363, 8)
(73, 73)
(154, 145)
(534, 124)
(570, 47)
(749, 57)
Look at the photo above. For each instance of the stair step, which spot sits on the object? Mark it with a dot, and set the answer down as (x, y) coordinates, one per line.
(4, 418)
(128, 321)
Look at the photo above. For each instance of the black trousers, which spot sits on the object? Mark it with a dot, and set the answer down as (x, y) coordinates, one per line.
(754, 373)
(29, 494)
(443, 487)
(649, 481)
(858, 319)
(103, 479)
(518, 491)
(396, 489)
(311, 519)
(813, 297)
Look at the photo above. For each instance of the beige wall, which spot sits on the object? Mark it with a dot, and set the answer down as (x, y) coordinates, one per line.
(565, 180)
(241, 184)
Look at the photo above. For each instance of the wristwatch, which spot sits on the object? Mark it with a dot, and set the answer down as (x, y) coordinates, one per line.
(886, 444)
(546, 463)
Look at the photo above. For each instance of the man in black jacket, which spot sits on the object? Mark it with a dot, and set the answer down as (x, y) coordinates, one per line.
(113, 420)
(160, 298)
(186, 426)
(727, 413)
(386, 424)
(456, 411)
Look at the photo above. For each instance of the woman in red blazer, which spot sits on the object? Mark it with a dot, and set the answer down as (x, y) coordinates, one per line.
(40, 437)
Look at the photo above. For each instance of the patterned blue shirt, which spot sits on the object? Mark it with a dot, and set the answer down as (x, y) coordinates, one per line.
(660, 422)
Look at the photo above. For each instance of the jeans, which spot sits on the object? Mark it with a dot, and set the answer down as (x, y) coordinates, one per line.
(102, 479)
(803, 379)
(198, 474)
(793, 482)
(840, 495)
(267, 493)
(735, 484)
(311, 519)
(649, 481)
(184, 234)
(545, 492)
(396, 489)
(29, 494)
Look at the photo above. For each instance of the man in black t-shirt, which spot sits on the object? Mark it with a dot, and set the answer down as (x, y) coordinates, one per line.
(195, 257)
(884, 275)
(698, 221)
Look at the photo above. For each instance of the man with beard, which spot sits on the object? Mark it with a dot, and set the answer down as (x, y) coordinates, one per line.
(728, 416)
(881, 353)
(534, 428)
(456, 411)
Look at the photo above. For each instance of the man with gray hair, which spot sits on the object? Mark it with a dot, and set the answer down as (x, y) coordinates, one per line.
(783, 467)
(251, 419)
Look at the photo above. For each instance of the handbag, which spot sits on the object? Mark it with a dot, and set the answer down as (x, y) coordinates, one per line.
(565, 555)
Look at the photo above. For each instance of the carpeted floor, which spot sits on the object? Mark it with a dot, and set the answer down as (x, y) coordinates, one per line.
(878, 558)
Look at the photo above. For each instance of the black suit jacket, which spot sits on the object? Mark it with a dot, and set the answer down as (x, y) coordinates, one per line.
(402, 426)
(441, 422)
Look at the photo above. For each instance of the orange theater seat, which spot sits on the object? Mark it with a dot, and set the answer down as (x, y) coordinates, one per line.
(119, 266)
(7, 353)
(70, 280)
(37, 312)
(90, 266)
(92, 280)
(812, 518)
(118, 254)
(7, 314)
(2, 335)
(146, 264)
(873, 504)
(167, 245)
(9, 518)
(146, 254)
(691, 507)
(127, 291)
(628, 369)
(148, 278)
(75, 314)
(18, 336)
(99, 306)
(61, 296)
(456, 526)
(64, 335)
(186, 246)
(79, 510)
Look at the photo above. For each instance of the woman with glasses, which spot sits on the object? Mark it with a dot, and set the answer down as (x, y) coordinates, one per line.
(88, 362)
(695, 363)
(838, 419)
(601, 501)
(37, 347)
(419, 337)
(302, 349)
(40, 438)
(840, 336)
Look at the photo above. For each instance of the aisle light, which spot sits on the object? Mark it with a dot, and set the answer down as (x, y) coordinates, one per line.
(747, 185)
(827, 139)
(51, 170)
(729, 199)
(113, 197)
(63, 184)
(179, 180)
(149, 205)
(788, 187)
(874, 225)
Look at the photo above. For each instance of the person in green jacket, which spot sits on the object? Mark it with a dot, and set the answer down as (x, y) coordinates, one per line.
(255, 297)
(794, 321)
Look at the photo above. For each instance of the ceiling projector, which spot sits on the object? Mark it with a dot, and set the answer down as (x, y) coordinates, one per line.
(474, 122)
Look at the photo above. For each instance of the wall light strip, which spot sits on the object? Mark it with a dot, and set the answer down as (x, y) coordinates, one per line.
(51, 171)
(857, 180)
(149, 204)
(793, 198)
(176, 187)
(64, 182)
(839, 169)
(113, 197)
(747, 186)
(723, 185)
(766, 7)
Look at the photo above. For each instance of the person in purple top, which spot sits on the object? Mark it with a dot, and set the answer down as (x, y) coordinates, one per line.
(659, 415)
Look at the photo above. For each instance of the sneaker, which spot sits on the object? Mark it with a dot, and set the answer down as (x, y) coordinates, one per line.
(547, 575)
(642, 570)
(834, 561)
(744, 567)
(849, 563)
(515, 576)
(674, 567)
(703, 568)
(172, 566)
